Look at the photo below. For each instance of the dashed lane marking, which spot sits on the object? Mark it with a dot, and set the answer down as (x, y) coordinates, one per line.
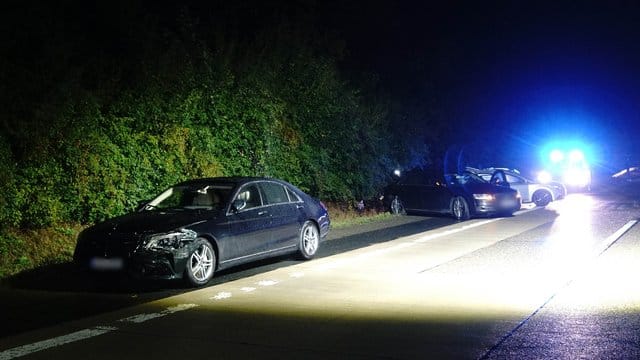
(85, 333)
(222, 295)
(140, 318)
(267, 282)
(55, 342)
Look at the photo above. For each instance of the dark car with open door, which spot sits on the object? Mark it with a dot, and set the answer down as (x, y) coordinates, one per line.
(462, 195)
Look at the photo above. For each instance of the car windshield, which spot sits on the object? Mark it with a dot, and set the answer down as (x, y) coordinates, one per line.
(465, 178)
(190, 197)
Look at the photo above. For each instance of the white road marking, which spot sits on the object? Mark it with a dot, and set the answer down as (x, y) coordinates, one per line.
(340, 262)
(221, 295)
(297, 274)
(267, 282)
(86, 333)
(248, 289)
(453, 231)
(54, 342)
(614, 237)
(140, 318)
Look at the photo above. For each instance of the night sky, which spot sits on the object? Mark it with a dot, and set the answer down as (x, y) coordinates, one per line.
(512, 75)
(515, 75)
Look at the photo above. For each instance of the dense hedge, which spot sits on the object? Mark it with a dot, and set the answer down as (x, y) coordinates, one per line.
(108, 106)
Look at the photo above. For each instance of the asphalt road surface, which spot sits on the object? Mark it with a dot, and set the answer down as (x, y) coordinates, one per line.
(554, 282)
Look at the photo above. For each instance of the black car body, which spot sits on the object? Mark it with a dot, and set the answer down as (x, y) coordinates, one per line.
(200, 226)
(459, 195)
(626, 181)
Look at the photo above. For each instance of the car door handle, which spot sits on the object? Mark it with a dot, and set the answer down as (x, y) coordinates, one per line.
(263, 213)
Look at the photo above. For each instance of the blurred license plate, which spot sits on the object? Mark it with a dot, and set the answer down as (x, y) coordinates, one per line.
(106, 264)
(508, 203)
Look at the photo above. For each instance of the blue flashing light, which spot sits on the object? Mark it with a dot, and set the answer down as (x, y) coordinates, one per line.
(556, 156)
(568, 162)
(576, 156)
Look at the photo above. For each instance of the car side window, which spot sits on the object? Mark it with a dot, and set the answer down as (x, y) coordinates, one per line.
(293, 197)
(513, 179)
(274, 193)
(250, 196)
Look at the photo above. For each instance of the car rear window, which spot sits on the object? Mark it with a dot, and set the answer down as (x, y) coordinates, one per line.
(274, 193)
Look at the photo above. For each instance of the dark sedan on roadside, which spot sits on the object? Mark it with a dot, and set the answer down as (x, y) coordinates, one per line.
(459, 195)
(195, 228)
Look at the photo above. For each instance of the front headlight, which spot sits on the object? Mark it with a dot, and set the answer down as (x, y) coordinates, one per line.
(486, 197)
(170, 241)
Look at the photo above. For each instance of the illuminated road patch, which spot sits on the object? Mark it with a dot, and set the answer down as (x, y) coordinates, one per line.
(608, 242)
(281, 282)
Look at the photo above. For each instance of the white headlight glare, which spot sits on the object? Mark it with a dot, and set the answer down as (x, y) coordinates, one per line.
(544, 177)
(487, 197)
(169, 241)
(577, 177)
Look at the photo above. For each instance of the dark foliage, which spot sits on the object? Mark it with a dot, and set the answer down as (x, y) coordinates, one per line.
(107, 103)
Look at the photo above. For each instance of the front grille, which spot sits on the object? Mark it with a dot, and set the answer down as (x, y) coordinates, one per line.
(111, 245)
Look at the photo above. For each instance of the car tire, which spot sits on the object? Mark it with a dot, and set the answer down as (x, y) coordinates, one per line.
(541, 198)
(460, 208)
(309, 241)
(200, 264)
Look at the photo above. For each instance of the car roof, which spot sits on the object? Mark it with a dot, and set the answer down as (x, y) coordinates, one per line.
(493, 169)
(237, 180)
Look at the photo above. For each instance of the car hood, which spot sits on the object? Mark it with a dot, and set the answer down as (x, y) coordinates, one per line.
(153, 221)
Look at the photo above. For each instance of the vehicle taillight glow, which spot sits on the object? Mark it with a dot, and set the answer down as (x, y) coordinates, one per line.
(487, 197)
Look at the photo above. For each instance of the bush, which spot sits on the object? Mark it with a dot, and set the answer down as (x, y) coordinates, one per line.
(89, 130)
(10, 192)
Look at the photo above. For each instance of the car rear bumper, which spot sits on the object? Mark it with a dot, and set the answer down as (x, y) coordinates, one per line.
(488, 208)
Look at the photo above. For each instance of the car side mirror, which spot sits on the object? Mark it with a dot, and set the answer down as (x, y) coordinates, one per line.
(142, 204)
(238, 204)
